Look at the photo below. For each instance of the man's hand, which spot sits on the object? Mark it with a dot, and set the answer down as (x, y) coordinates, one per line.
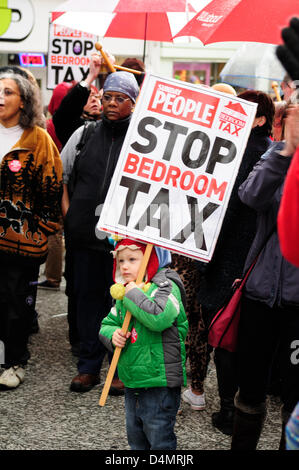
(119, 338)
(94, 68)
(96, 62)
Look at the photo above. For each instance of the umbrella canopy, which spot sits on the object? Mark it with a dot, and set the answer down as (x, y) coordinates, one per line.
(253, 66)
(152, 20)
(241, 20)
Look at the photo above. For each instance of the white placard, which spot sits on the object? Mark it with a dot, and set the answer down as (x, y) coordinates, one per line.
(177, 166)
(68, 54)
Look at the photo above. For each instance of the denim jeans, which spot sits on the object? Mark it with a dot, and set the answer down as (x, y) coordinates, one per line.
(150, 417)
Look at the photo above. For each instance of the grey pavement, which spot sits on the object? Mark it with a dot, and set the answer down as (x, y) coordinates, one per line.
(43, 414)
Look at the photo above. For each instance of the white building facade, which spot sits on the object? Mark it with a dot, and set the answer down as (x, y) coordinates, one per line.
(25, 32)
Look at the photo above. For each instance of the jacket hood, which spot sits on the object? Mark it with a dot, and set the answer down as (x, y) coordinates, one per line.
(152, 266)
(59, 93)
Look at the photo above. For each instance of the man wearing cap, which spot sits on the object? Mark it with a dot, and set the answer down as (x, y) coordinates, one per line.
(92, 264)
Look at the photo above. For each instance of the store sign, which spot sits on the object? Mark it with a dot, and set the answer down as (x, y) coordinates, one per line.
(177, 166)
(32, 59)
(68, 54)
(16, 19)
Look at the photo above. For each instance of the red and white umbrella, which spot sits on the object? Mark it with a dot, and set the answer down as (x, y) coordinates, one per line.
(148, 20)
(241, 20)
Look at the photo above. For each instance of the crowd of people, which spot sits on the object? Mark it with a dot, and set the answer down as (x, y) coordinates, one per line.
(55, 173)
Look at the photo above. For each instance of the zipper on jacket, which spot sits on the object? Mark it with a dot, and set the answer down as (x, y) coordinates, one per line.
(107, 167)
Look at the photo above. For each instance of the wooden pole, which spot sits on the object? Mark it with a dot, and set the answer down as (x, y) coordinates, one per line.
(275, 89)
(125, 69)
(110, 66)
(124, 329)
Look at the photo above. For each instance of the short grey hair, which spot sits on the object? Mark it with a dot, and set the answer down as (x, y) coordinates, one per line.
(31, 113)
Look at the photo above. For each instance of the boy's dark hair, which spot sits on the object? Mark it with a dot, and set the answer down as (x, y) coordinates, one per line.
(265, 107)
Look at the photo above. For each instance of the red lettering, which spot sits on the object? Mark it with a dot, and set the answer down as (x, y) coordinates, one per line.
(190, 105)
(205, 181)
(173, 174)
(158, 166)
(213, 188)
(144, 167)
(186, 175)
(131, 163)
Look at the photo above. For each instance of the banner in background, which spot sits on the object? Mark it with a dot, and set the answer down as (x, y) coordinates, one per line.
(69, 54)
(177, 166)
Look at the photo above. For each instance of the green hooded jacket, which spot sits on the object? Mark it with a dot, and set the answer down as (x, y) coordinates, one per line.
(154, 355)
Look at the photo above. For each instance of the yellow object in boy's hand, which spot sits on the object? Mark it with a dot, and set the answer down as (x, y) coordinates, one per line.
(117, 291)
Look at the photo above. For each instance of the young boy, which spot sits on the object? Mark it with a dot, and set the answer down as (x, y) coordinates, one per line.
(152, 361)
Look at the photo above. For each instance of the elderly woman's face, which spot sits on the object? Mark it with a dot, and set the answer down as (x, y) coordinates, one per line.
(10, 102)
(116, 105)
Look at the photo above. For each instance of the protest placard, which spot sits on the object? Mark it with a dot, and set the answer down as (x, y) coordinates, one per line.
(177, 166)
(68, 54)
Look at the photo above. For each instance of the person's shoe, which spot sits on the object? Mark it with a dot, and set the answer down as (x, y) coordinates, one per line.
(117, 387)
(224, 420)
(48, 285)
(84, 382)
(197, 402)
(12, 377)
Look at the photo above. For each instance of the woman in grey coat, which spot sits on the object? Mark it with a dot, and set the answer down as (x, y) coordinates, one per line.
(270, 307)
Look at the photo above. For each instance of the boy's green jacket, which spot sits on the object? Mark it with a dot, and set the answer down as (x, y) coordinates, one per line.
(154, 355)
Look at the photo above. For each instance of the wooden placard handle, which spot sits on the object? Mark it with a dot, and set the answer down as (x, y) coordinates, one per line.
(99, 48)
(275, 89)
(124, 328)
(112, 67)
(126, 69)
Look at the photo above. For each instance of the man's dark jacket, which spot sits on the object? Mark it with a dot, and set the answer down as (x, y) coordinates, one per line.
(95, 169)
(235, 238)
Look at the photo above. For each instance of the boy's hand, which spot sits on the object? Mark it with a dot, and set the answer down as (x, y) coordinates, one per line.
(119, 338)
(132, 285)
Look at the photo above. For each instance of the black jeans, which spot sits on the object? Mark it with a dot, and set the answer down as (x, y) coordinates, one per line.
(92, 282)
(17, 308)
(261, 331)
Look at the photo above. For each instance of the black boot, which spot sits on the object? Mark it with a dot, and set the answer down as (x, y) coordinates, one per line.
(223, 419)
(226, 369)
(248, 424)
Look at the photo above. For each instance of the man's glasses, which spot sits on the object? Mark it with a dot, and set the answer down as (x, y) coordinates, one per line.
(7, 92)
(118, 99)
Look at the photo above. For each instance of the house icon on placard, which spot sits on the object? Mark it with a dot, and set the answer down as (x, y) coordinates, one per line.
(236, 107)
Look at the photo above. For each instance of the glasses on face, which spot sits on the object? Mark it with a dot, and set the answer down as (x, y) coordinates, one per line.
(118, 99)
(7, 92)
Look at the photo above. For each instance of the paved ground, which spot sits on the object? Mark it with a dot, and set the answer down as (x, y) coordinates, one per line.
(43, 414)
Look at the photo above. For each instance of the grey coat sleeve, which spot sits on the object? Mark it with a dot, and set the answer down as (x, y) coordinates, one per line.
(262, 183)
(69, 152)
